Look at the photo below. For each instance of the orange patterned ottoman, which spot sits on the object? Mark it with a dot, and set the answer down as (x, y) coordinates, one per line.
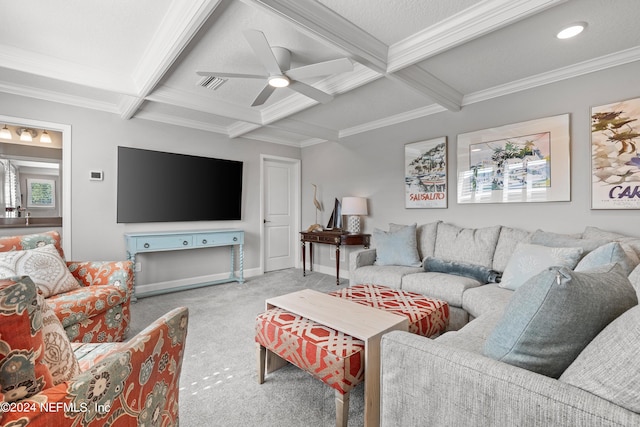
(335, 358)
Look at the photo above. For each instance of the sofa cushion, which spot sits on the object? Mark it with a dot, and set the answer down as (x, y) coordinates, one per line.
(45, 267)
(22, 370)
(447, 287)
(608, 366)
(528, 260)
(58, 352)
(472, 245)
(634, 278)
(483, 299)
(397, 246)
(387, 275)
(507, 242)
(551, 318)
(478, 272)
(426, 235)
(631, 245)
(556, 240)
(474, 334)
(607, 254)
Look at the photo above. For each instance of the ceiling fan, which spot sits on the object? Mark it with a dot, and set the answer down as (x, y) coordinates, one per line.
(276, 61)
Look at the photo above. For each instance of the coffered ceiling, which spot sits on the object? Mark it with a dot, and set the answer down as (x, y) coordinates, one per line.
(138, 59)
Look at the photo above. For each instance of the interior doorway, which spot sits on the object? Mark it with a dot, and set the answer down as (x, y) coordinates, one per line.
(280, 212)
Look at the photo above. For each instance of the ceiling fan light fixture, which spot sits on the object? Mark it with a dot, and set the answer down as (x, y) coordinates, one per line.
(279, 81)
(571, 30)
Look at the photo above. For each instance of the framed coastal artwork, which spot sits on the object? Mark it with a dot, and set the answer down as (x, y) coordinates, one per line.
(41, 193)
(521, 162)
(425, 176)
(615, 155)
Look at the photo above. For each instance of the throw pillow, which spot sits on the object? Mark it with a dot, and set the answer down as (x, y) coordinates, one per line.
(58, 353)
(607, 367)
(478, 272)
(398, 247)
(631, 245)
(606, 254)
(43, 265)
(472, 245)
(551, 318)
(556, 240)
(528, 260)
(22, 371)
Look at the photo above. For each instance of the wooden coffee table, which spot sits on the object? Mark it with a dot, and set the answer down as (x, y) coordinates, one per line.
(365, 323)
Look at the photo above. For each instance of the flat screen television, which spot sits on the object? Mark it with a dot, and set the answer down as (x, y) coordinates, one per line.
(155, 186)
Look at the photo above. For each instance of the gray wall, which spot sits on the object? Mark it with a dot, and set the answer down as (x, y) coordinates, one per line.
(371, 164)
(95, 233)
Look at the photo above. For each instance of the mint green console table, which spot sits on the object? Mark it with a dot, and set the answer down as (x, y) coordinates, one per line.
(179, 240)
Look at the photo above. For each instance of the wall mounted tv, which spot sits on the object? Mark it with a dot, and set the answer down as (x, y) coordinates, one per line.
(155, 186)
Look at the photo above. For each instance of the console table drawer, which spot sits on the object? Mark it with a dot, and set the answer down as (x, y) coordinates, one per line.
(219, 239)
(164, 242)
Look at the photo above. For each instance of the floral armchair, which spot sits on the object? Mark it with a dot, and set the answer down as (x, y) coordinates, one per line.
(115, 384)
(95, 307)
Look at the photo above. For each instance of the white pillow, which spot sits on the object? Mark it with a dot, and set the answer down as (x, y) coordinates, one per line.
(43, 265)
(528, 260)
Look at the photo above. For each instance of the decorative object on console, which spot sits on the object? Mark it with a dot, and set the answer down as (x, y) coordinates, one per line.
(615, 158)
(353, 207)
(335, 221)
(425, 177)
(318, 205)
(514, 163)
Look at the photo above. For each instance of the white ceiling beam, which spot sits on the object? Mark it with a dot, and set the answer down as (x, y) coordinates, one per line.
(474, 22)
(429, 85)
(322, 23)
(306, 129)
(181, 22)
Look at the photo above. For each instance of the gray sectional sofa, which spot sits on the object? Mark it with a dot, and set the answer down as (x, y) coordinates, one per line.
(452, 380)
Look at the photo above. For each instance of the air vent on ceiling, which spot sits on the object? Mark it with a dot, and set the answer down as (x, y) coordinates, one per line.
(211, 82)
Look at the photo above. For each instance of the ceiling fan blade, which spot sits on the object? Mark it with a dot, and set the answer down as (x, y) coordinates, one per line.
(230, 75)
(334, 66)
(311, 92)
(261, 48)
(263, 96)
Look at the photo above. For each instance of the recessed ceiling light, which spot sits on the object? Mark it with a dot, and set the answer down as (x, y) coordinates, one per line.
(279, 81)
(572, 30)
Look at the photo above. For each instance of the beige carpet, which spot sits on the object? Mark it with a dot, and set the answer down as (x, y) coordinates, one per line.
(219, 385)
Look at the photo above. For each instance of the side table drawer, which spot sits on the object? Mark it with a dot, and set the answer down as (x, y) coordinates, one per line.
(219, 239)
(164, 242)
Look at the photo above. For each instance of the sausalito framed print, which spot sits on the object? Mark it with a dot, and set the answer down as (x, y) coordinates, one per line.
(425, 176)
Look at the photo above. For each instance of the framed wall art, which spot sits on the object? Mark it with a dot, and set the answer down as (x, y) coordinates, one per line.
(41, 193)
(425, 177)
(521, 162)
(615, 155)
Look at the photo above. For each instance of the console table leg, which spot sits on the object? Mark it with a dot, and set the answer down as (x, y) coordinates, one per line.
(304, 259)
(241, 250)
(337, 265)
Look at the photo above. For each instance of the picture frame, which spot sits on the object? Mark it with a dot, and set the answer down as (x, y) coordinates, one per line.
(41, 193)
(615, 155)
(425, 177)
(521, 162)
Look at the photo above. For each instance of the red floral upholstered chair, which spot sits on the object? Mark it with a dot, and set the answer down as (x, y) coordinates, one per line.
(44, 382)
(91, 298)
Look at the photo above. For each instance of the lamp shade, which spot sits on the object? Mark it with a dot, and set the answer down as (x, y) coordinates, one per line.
(354, 206)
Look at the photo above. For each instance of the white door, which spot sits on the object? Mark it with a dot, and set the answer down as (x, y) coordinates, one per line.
(280, 208)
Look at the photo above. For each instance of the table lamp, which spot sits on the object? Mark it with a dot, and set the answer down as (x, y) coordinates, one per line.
(353, 207)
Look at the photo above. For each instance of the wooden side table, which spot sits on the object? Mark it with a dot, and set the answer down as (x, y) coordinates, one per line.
(336, 238)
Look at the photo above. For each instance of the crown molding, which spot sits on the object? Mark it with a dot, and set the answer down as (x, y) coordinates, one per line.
(58, 97)
(473, 22)
(311, 142)
(240, 128)
(271, 139)
(598, 64)
(167, 95)
(306, 129)
(426, 83)
(325, 25)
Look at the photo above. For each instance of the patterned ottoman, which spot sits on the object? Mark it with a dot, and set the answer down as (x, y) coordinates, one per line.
(335, 358)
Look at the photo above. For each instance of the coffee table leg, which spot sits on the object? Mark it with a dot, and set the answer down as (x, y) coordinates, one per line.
(372, 381)
(261, 354)
(342, 409)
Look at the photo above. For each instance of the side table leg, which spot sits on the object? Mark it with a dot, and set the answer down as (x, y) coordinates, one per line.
(337, 265)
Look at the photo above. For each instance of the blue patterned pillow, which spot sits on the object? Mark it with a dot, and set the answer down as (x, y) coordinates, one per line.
(398, 247)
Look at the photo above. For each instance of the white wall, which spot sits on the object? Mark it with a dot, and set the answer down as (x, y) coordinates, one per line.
(95, 233)
(371, 164)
